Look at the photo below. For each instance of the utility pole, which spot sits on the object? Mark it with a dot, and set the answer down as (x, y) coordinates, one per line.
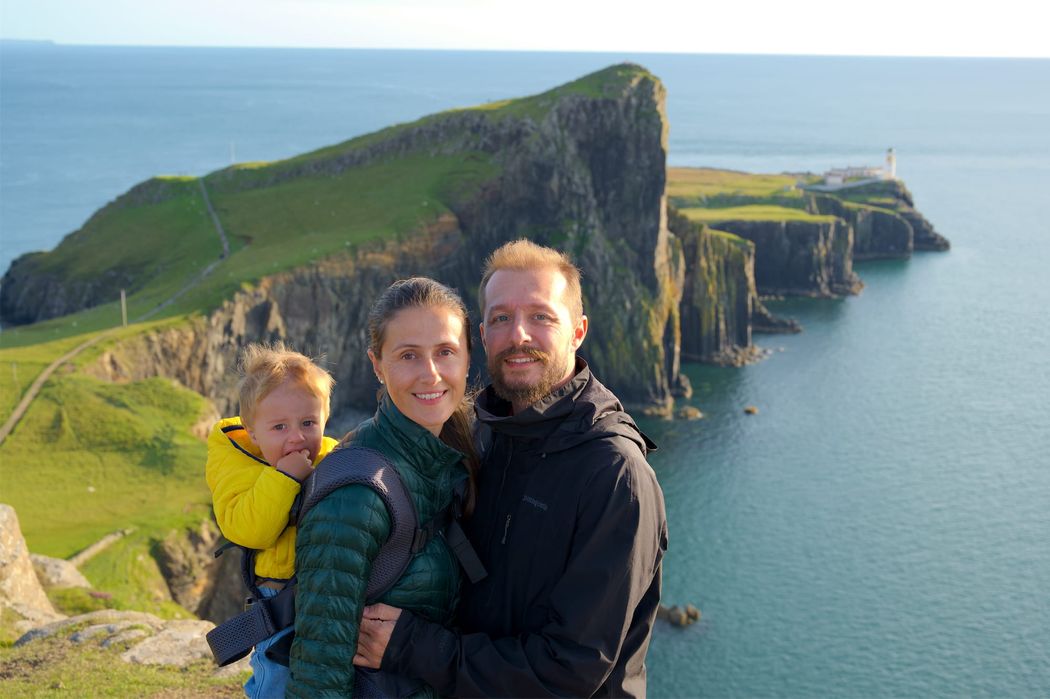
(123, 308)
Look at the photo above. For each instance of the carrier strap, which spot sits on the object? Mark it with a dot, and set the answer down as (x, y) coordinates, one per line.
(234, 638)
(363, 466)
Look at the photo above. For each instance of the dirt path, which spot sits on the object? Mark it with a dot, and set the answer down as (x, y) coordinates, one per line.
(215, 220)
(41, 379)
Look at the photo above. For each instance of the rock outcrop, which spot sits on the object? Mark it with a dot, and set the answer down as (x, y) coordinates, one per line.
(209, 587)
(883, 216)
(140, 638)
(20, 589)
(718, 294)
(877, 233)
(800, 258)
(56, 572)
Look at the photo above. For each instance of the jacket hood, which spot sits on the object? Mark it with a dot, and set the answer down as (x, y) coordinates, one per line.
(580, 411)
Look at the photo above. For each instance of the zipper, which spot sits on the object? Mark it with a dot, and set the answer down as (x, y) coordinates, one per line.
(502, 482)
(506, 528)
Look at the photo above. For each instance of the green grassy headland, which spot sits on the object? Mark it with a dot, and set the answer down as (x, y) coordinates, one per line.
(758, 212)
(707, 195)
(92, 457)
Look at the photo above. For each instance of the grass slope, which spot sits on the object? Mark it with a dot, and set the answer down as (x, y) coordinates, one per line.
(756, 212)
(57, 667)
(91, 457)
(707, 195)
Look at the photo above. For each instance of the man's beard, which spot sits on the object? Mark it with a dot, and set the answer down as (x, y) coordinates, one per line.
(525, 394)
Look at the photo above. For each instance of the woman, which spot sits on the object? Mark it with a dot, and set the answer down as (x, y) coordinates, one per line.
(419, 344)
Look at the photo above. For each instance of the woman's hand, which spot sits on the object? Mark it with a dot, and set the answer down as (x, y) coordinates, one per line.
(377, 625)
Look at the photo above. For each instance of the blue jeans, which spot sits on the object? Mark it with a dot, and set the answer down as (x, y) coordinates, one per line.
(268, 678)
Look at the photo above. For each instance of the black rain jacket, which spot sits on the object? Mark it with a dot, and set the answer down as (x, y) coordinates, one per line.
(570, 525)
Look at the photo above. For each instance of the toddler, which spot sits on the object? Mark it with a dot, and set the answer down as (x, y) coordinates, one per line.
(256, 463)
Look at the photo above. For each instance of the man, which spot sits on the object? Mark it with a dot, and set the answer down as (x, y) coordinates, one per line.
(569, 519)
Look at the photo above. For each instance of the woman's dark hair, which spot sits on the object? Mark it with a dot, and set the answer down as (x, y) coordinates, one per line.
(423, 292)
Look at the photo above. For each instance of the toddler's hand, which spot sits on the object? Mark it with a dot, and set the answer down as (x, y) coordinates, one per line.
(297, 464)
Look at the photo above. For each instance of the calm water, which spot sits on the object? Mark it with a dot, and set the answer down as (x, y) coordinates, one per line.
(879, 529)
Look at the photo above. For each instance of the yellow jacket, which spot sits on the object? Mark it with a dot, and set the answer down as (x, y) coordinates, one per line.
(251, 498)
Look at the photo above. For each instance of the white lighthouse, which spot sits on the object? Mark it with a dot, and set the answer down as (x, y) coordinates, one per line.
(890, 173)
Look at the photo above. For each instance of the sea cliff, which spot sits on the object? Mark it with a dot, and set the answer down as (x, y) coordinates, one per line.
(582, 167)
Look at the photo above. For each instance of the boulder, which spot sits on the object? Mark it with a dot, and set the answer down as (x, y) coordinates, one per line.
(20, 588)
(141, 638)
(56, 572)
(178, 644)
(118, 619)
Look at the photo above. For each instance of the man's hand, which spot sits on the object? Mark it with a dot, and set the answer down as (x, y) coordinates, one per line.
(297, 464)
(377, 624)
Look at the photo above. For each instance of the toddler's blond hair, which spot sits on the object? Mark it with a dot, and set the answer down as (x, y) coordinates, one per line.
(264, 367)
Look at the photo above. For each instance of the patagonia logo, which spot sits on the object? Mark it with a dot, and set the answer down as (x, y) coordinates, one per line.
(534, 502)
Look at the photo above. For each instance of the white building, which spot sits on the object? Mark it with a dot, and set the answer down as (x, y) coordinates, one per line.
(837, 177)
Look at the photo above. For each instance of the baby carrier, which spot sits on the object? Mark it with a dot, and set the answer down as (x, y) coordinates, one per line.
(265, 616)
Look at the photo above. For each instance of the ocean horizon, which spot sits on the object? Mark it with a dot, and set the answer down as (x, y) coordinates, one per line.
(878, 529)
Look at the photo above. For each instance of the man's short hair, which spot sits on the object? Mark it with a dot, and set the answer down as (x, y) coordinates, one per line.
(266, 367)
(524, 255)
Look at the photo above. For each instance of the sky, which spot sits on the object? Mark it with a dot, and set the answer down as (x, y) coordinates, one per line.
(1006, 28)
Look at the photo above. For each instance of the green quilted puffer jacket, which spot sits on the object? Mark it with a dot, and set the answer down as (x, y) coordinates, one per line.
(341, 536)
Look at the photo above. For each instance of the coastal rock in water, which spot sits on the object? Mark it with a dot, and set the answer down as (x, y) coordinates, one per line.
(20, 588)
(677, 615)
(56, 572)
(689, 412)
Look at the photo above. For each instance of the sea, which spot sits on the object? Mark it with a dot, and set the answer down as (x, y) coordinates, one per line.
(881, 526)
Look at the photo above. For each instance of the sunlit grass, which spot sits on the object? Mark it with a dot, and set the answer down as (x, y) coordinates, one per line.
(91, 457)
(753, 213)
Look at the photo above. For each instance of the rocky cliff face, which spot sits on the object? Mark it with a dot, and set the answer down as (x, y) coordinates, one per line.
(209, 587)
(720, 306)
(38, 286)
(800, 258)
(926, 238)
(895, 197)
(585, 174)
(877, 233)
